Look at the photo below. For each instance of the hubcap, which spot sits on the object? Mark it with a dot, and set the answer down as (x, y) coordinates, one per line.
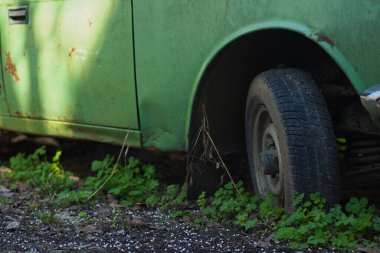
(266, 154)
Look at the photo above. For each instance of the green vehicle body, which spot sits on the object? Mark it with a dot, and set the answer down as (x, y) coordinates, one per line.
(99, 69)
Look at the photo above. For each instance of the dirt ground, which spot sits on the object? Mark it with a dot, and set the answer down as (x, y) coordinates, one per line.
(106, 227)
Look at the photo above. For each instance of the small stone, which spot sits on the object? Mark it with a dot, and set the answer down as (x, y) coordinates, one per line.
(135, 222)
(4, 189)
(120, 232)
(91, 238)
(186, 218)
(97, 249)
(88, 229)
(13, 226)
(66, 217)
(136, 208)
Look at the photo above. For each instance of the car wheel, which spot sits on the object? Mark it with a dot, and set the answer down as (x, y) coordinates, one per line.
(289, 137)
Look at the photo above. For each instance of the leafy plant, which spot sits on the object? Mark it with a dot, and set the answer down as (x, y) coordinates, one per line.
(134, 183)
(174, 195)
(236, 206)
(46, 217)
(119, 218)
(82, 214)
(37, 171)
(312, 226)
(4, 200)
(68, 197)
(33, 205)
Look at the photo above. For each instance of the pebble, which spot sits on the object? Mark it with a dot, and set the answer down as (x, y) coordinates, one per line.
(120, 232)
(13, 226)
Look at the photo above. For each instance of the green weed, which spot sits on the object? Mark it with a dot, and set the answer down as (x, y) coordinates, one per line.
(238, 207)
(37, 171)
(173, 196)
(119, 219)
(69, 197)
(4, 200)
(341, 228)
(46, 218)
(134, 183)
(82, 214)
(33, 205)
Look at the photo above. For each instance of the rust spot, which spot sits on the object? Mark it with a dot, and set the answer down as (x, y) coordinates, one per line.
(153, 148)
(11, 68)
(89, 22)
(72, 51)
(17, 113)
(326, 39)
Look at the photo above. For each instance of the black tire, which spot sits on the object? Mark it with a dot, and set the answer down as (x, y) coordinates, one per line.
(286, 105)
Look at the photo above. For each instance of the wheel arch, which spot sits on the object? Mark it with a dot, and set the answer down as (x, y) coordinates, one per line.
(236, 43)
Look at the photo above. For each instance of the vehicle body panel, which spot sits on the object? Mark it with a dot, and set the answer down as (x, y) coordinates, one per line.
(72, 130)
(72, 62)
(179, 38)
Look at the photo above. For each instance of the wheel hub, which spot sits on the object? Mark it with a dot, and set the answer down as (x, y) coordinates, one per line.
(269, 162)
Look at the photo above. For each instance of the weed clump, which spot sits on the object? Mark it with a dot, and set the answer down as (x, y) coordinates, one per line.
(237, 206)
(311, 225)
(46, 176)
(134, 182)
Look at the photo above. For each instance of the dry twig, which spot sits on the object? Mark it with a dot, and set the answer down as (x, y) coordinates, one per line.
(207, 154)
(114, 170)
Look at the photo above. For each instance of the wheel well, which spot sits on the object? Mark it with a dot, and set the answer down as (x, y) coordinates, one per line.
(223, 88)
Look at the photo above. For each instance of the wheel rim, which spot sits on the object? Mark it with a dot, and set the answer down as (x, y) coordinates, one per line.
(265, 143)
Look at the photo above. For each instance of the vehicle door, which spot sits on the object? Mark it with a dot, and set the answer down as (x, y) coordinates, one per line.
(69, 60)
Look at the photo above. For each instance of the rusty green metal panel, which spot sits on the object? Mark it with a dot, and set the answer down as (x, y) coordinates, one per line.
(175, 40)
(72, 62)
(3, 103)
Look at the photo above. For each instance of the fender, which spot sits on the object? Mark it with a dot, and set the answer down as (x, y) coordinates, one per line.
(323, 41)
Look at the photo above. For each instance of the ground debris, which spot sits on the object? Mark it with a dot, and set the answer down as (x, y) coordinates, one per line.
(368, 250)
(88, 229)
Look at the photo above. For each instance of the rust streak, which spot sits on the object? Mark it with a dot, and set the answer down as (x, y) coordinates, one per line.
(72, 51)
(325, 39)
(11, 68)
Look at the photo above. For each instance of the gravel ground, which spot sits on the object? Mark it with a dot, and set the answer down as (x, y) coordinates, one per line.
(28, 224)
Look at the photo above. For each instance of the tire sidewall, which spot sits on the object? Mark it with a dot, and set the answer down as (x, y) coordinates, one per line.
(260, 95)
